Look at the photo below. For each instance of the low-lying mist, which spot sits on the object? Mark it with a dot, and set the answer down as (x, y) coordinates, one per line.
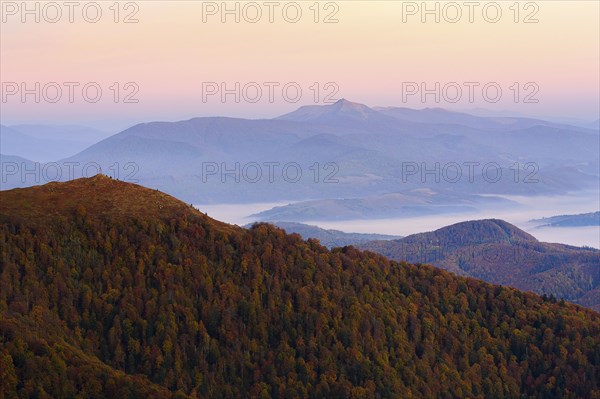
(529, 208)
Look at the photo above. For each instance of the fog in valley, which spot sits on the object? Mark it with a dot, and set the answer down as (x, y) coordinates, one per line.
(528, 208)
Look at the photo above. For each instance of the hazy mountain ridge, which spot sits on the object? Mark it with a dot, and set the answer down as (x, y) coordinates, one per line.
(47, 143)
(79, 133)
(369, 148)
(329, 237)
(416, 202)
(444, 116)
(582, 219)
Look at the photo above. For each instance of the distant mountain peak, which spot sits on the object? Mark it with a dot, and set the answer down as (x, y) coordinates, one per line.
(346, 106)
(342, 109)
(343, 101)
(349, 104)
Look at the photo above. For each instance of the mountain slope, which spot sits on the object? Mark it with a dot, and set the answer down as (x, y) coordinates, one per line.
(488, 123)
(142, 286)
(500, 253)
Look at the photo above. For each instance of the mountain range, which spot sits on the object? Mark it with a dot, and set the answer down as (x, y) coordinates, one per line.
(342, 150)
(110, 289)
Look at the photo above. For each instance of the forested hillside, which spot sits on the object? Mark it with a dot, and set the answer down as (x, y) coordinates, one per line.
(500, 253)
(111, 290)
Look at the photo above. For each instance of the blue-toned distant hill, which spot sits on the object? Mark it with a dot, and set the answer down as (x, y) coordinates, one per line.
(327, 237)
(582, 219)
(45, 143)
(409, 203)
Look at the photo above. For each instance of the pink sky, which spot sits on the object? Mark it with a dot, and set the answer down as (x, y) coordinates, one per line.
(369, 55)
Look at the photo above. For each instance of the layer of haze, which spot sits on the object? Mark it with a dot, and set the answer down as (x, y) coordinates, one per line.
(530, 208)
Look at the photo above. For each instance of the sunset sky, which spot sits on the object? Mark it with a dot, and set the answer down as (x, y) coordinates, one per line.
(370, 54)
